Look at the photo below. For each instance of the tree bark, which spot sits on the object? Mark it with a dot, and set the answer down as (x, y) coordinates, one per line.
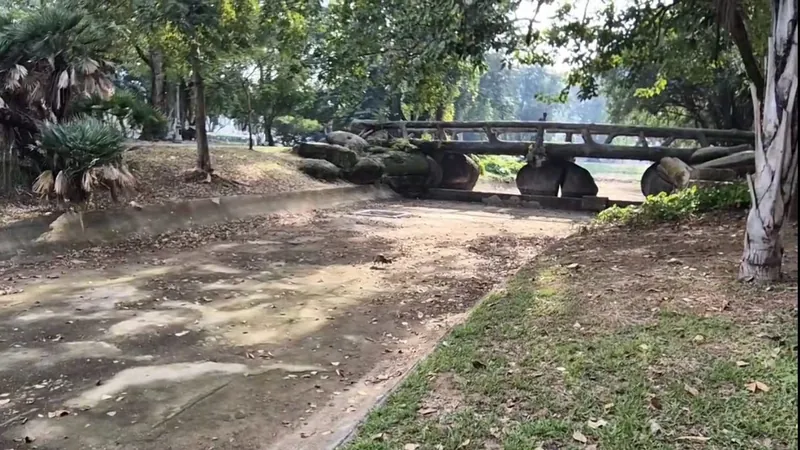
(268, 131)
(775, 179)
(738, 32)
(249, 117)
(203, 154)
(158, 91)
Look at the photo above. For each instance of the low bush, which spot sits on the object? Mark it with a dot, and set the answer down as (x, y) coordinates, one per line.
(680, 205)
(499, 167)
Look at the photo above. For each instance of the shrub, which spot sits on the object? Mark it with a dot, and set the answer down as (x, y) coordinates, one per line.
(680, 205)
(403, 145)
(500, 167)
(125, 107)
(292, 130)
(85, 154)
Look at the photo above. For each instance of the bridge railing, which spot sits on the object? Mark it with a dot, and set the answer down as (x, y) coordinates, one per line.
(597, 139)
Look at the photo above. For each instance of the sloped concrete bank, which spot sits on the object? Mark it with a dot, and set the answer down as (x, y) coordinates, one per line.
(110, 225)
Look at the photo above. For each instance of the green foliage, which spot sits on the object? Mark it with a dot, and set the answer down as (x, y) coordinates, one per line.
(680, 205)
(81, 144)
(291, 130)
(84, 153)
(403, 145)
(125, 108)
(499, 167)
(675, 61)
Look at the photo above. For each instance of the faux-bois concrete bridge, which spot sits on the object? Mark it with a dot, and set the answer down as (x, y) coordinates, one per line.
(550, 148)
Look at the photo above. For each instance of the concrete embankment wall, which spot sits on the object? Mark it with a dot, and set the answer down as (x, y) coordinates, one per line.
(74, 228)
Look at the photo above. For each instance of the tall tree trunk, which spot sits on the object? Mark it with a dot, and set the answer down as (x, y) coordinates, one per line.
(187, 117)
(775, 180)
(396, 107)
(440, 110)
(268, 131)
(158, 81)
(203, 154)
(793, 203)
(249, 117)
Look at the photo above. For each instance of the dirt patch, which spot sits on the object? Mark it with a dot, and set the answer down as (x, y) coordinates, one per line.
(159, 170)
(684, 268)
(614, 189)
(444, 398)
(276, 332)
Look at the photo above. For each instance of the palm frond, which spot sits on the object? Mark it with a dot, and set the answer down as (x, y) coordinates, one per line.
(61, 185)
(44, 183)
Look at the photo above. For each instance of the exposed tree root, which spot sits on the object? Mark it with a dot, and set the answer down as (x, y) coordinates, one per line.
(198, 175)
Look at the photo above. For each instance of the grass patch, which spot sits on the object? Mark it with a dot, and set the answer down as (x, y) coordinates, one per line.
(537, 367)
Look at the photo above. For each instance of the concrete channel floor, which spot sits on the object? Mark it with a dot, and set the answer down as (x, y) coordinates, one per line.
(277, 334)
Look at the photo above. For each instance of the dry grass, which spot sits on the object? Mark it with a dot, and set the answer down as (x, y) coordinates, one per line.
(159, 169)
(614, 339)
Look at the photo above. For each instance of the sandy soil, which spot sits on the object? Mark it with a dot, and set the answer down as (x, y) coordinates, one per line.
(273, 333)
(614, 189)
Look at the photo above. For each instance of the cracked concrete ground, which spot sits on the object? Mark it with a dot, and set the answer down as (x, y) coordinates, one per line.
(278, 333)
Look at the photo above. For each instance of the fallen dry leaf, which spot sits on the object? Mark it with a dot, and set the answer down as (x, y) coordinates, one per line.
(757, 386)
(655, 427)
(464, 444)
(595, 424)
(411, 447)
(691, 390)
(578, 436)
(742, 364)
(693, 438)
(427, 411)
(377, 437)
(655, 403)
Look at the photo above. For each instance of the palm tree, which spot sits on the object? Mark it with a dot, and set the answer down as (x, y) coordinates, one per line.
(85, 154)
(48, 58)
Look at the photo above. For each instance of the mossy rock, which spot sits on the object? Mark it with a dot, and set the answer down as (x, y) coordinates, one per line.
(320, 169)
(342, 157)
(367, 170)
(347, 140)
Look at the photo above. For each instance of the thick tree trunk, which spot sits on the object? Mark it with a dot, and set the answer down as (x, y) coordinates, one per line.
(775, 179)
(268, 131)
(187, 117)
(158, 86)
(203, 154)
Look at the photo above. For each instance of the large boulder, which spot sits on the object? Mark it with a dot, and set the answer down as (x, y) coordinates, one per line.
(459, 172)
(435, 175)
(577, 181)
(543, 180)
(408, 185)
(653, 183)
(320, 169)
(378, 137)
(367, 170)
(342, 157)
(403, 163)
(348, 140)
